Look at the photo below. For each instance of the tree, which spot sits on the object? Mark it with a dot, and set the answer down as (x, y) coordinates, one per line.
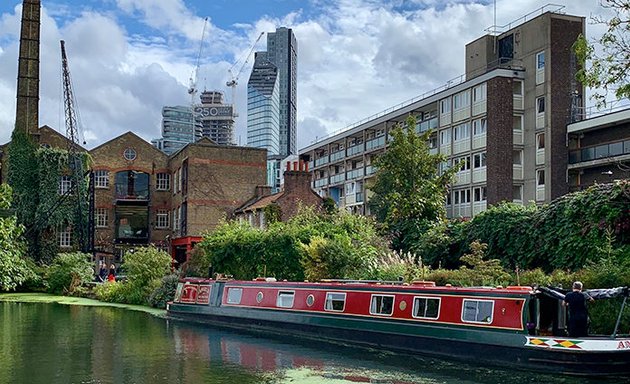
(409, 192)
(610, 70)
(13, 266)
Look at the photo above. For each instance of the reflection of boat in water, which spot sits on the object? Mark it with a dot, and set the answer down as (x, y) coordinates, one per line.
(500, 326)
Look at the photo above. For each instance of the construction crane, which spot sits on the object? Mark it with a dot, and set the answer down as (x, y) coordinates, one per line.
(234, 78)
(192, 88)
(84, 232)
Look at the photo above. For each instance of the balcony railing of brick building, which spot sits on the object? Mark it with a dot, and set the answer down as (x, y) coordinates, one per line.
(596, 152)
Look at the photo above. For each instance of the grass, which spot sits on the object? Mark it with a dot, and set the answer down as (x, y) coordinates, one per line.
(70, 300)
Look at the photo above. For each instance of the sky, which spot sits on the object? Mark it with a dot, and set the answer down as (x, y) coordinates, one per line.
(129, 58)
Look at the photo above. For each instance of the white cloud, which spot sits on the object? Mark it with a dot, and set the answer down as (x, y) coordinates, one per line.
(355, 58)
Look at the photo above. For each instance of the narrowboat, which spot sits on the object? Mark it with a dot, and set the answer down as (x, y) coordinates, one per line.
(509, 327)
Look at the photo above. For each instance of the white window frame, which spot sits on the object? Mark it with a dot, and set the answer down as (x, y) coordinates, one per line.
(64, 237)
(427, 298)
(162, 219)
(538, 61)
(445, 136)
(101, 178)
(479, 93)
(163, 181)
(482, 160)
(65, 184)
(480, 126)
(461, 132)
(101, 219)
(461, 100)
(540, 141)
(481, 192)
(445, 106)
(238, 292)
(328, 304)
(285, 295)
(540, 105)
(540, 172)
(377, 312)
(477, 310)
(466, 163)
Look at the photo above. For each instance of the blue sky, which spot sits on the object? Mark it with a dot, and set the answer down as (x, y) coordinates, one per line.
(128, 58)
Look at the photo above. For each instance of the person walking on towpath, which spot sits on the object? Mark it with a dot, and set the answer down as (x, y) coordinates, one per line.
(578, 314)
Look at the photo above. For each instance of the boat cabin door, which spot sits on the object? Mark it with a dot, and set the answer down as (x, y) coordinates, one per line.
(551, 316)
(216, 294)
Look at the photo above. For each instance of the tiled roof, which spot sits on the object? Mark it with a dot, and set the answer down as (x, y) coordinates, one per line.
(261, 203)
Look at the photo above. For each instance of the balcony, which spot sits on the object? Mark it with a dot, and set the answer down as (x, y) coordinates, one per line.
(355, 173)
(337, 178)
(355, 149)
(604, 151)
(132, 185)
(337, 155)
(375, 143)
(321, 161)
(321, 182)
(370, 170)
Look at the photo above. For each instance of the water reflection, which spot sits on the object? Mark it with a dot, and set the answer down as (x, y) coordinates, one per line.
(52, 343)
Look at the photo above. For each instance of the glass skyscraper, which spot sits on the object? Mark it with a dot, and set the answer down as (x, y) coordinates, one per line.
(178, 129)
(263, 106)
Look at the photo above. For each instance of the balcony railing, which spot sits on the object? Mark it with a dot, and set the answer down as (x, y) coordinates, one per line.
(354, 173)
(375, 143)
(599, 152)
(321, 161)
(337, 155)
(337, 178)
(355, 149)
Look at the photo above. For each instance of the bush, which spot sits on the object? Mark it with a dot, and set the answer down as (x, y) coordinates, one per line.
(68, 272)
(165, 292)
(13, 265)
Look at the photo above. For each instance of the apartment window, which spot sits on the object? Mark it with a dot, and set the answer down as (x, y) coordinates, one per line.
(445, 137)
(540, 141)
(461, 100)
(101, 217)
(540, 105)
(101, 178)
(461, 132)
(64, 237)
(445, 106)
(464, 163)
(479, 160)
(479, 194)
(285, 299)
(163, 182)
(517, 157)
(161, 218)
(382, 305)
(517, 192)
(517, 88)
(540, 60)
(461, 196)
(65, 184)
(540, 177)
(426, 307)
(517, 123)
(477, 311)
(479, 93)
(234, 295)
(479, 127)
(433, 142)
(176, 221)
(335, 301)
(506, 48)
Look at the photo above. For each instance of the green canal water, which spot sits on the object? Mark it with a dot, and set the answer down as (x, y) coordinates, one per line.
(58, 343)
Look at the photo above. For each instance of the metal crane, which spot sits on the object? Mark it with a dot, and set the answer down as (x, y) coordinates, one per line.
(192, 88)
(85, 233)
(234, 78)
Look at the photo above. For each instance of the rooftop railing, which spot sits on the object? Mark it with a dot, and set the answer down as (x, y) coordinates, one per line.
(498, 29)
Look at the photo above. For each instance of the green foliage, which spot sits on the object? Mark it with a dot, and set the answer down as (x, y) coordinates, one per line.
(68, 272)
(408, 192)
(273, 213)
(165, 292)
(115, 292)
(329, 205)
(609, 70)
(245, 252)
(13, 266)
(392, 265)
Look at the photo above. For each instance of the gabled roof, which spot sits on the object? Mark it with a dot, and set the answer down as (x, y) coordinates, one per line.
(133, 135)
(259, 203)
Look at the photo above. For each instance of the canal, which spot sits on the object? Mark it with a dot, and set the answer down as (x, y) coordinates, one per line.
(56, 343)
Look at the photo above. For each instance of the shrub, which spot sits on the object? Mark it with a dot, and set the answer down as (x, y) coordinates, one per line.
(165, 292)
(390, 266)
(69, 271)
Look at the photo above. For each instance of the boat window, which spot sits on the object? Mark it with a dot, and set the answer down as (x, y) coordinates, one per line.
(382, 305)
(234, 295)
(310, 300)
(335, 301)
(285, 299)
(259, 297)
(477, 311)
(426, 307)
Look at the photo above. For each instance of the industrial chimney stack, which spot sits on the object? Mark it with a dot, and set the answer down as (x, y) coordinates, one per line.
(27, 108)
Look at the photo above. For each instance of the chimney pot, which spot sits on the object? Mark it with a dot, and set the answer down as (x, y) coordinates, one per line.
(295, 166)
(288, 165)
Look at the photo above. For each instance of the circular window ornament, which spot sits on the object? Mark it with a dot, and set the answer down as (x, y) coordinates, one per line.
(130, 154)
(310, 300)
(402, 305)
(259, 297)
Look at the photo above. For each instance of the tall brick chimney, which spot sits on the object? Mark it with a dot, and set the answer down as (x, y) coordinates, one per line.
(27, 106)
(297, 178)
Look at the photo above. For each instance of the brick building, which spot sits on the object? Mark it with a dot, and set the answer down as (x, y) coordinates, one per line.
(297, 192)
(143, 196)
